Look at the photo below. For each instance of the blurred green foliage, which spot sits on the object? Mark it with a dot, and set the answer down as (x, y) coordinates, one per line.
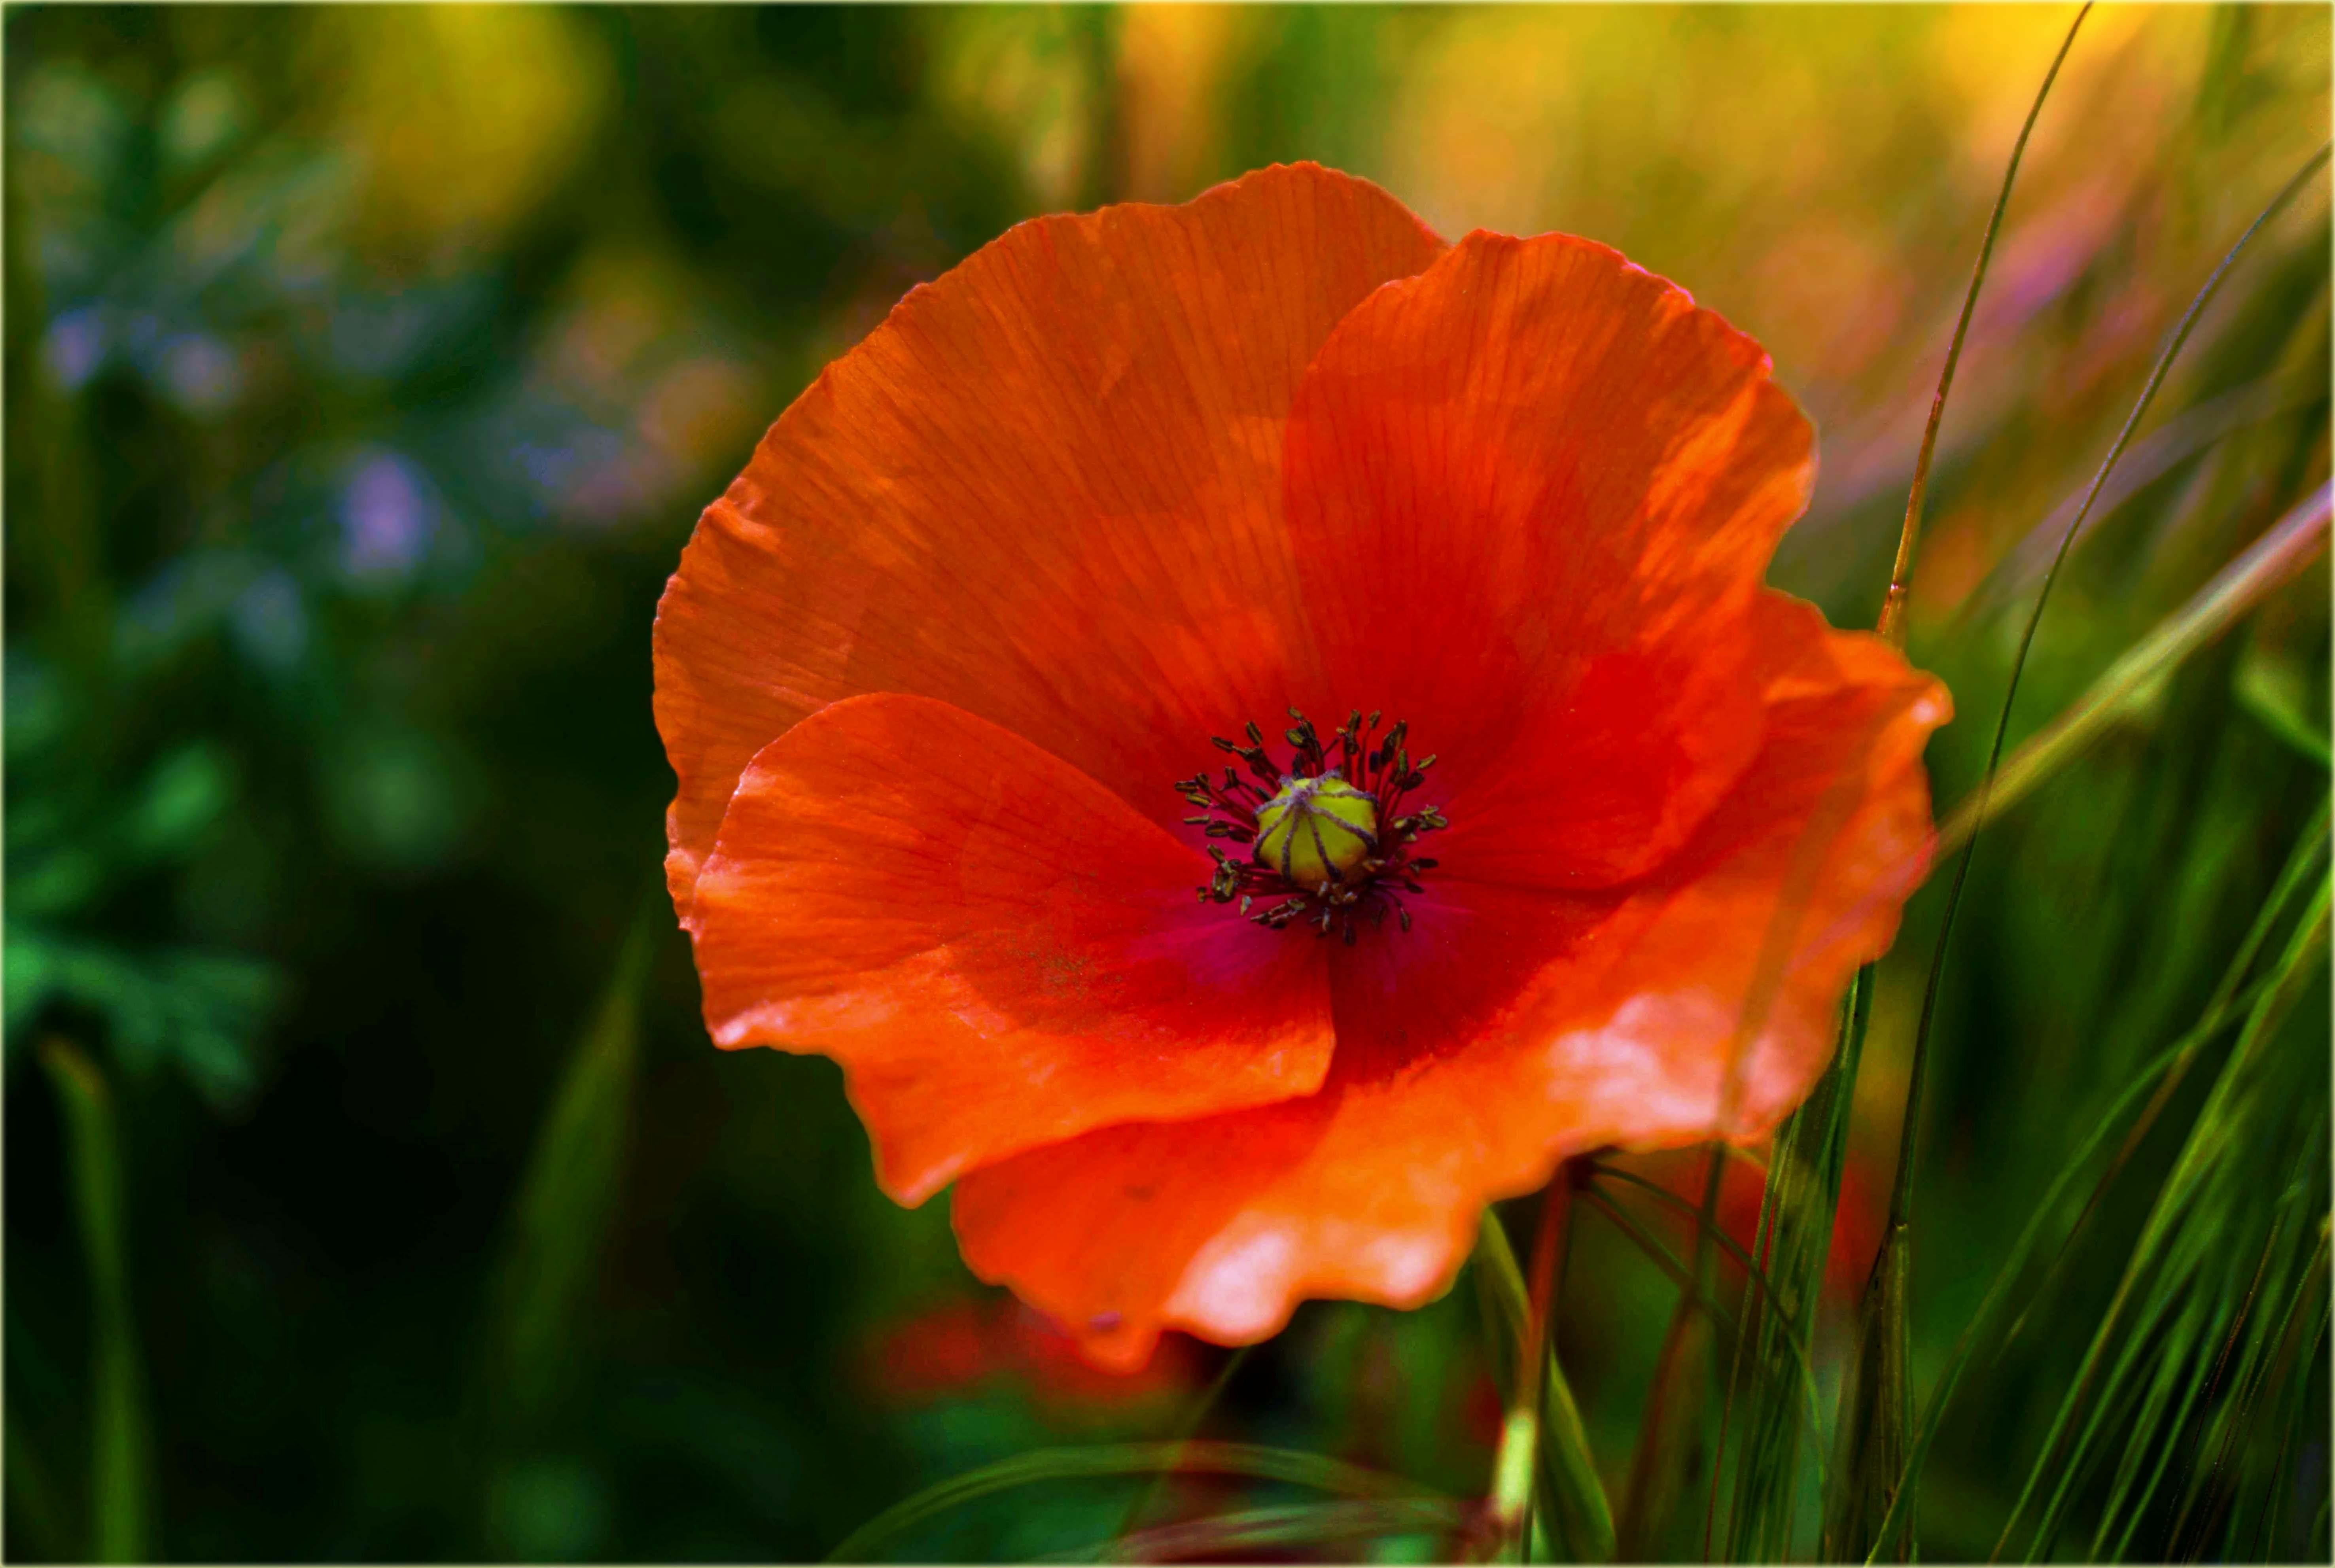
(365, 368)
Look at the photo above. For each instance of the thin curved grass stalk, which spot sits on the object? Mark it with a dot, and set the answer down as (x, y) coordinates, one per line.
(1252, 1460)
(1504, 1304)
(2151, 1420)
(2260, 1363)
(1796, 1214)
(1660, 1255)
(2178, 1255)
(2283, 718)
(1519, 1467)
(2218, 1007)
(559, 1223)
(1507, 1303)
(1548, 1450)
(1708, 1230)
(2240, 1119)
(2128, 1501)
(2227, 1419)
(2287, 545)
(1669, 1455)
(121, 1477)
(1500, 1284)
(1558, 1457)
(1783, 929)
(1900, 573)
(1777, 944)
(1780, 939)
(2175, 1374)
(2191, 433)
(1294, 1524)
(1764, 1507)
(2229, 998)
(1185, 1428)
(2293, 1393)
(1900, 1194)
(1670, 1264)
(1875, 1422)
(1872, 1438)
(1575, 1510)
(2215, 1486)
(2163, 1341)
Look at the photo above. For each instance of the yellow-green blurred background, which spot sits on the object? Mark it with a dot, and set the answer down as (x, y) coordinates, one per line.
(366, 368)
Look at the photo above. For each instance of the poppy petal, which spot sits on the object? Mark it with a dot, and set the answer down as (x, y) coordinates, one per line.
(998, 951)
(1078, 425)
(1534, 489)
(1633, 1034)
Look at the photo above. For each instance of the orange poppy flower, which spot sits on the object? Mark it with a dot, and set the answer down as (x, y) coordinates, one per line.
(940, 674)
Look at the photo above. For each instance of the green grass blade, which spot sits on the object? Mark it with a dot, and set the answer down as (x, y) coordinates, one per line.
(1900, 573)
(1672, 1452)
(1280, 1528)
(1502, 1280)
(1669, 1264)
(1669, 1457)
(2214, 1145)
(2237, 1124)
(1653, 1247)
(2183, 1377)
(121, 1441)
(2264, 1357)
(2296, 540)
(2190, 435)
(2270, 1490)
(1520, 1466)
(1901, 1197)
(1185, 1430)
(560, 1221)
(1190, 1458)
(2280, 711)
(2309, 846)
(1795, 1225)
(1875, 1422)
(1875, 1425)
(1579, 1512)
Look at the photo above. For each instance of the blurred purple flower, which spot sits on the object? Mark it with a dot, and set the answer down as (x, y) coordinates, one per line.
(387, 520)
(75, 346)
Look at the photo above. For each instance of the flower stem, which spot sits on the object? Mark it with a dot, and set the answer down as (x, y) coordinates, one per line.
(1893, 605)
(1515, 1463)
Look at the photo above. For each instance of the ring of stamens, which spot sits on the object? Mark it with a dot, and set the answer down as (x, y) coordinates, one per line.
(1299, 796)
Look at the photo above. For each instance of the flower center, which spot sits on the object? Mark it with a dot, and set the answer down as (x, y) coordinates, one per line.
(1317, 831)
(1329, 841)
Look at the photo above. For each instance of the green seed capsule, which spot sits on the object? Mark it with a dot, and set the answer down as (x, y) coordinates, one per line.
(1317, 831)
